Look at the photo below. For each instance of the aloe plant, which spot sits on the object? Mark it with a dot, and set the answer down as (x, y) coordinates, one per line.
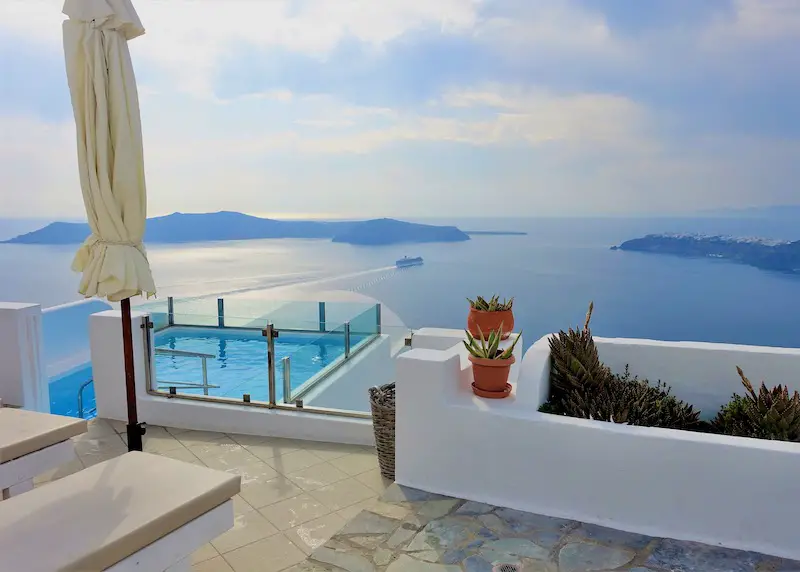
(484, 348)
(493, 304)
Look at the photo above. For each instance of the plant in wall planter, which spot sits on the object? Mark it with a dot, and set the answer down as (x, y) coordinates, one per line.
(490, 364)
(490, 315)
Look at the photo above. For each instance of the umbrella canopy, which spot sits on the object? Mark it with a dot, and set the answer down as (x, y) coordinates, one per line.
(110, 157)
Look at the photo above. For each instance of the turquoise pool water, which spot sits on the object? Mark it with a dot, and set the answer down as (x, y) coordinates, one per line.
(238, 365)
(240, 362)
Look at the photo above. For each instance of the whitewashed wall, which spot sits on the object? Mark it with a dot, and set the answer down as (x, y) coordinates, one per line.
(23, 382)
(735, 492)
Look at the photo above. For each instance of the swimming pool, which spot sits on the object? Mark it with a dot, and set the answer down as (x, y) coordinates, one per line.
(237, 364)
(240, 362)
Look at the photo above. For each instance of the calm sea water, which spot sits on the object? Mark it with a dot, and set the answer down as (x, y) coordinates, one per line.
(553, 273)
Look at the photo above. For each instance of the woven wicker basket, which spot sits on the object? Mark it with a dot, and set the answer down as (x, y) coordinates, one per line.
(381, 399)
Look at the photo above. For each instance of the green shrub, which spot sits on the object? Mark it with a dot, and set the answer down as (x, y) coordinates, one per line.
(582, 386)
(768, 414)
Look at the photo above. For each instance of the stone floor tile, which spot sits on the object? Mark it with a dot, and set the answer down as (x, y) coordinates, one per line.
(374, 480)
(610, 536)
(182, 454)
(251, 471)
(348, 560)
(270, 447)
(370, 523)
(117, 426)
(288, 463)
(268, 555)
(92, 458)
(213, 449)
(342, 494)
(205, 552)
(193, 438)
(259, 495)
(586, 557)
(247, 528)
(295, 511)
(317, 476)
(312, 534)
(216, 564)
(405, 563)
(100, 428)
(241, 506)
(683, 556)
(356, 463)
(87, 444)
(176, 430)
(328, 451)
(473, 508)
(350, 512)
(399, 493)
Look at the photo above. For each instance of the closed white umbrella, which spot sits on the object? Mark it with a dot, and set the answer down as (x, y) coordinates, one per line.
(110, 160)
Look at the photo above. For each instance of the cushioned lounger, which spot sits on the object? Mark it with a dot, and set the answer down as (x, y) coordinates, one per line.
(135, 512)
(32, 443)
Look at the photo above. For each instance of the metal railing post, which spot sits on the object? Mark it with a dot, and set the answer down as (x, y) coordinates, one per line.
(322, 316)
(205, 376)
(170, 311)
(378, 318)
(147, 326)
(346, 340)
(287, 380)
(271, 334)
(220, 312)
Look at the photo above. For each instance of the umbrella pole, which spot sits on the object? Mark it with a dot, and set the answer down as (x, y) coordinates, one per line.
(135, 430)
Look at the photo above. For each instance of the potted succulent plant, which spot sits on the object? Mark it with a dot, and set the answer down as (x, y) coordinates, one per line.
(490, 315)
(490, 364)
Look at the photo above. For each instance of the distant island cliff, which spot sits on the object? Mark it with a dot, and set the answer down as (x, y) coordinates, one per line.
(220, 226)
(781, 256)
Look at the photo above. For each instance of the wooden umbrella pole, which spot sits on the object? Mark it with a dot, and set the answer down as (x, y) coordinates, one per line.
(135, 430)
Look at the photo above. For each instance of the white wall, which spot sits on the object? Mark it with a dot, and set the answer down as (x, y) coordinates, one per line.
(348, 387)
(740, 493)
(702, 374)
(109, 384)
(23, 382)
(65, 330)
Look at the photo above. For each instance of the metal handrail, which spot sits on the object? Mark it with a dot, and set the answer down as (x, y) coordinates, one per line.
(80, 395)
(185, 384)
(182, 353)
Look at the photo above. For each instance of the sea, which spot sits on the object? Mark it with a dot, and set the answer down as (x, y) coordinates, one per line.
(553, 272)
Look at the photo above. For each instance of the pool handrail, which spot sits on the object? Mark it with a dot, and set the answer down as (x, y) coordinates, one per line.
(204, 363)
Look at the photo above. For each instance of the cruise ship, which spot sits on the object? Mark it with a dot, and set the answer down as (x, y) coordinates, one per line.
(406, 262)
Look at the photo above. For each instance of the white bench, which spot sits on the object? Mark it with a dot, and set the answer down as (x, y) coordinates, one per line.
(137, 512)
(32, 443)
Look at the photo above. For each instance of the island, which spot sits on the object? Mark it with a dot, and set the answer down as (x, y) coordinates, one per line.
(776, 255)
(225, 225)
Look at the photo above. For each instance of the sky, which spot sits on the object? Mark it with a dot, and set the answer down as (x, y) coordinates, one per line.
(356, 108)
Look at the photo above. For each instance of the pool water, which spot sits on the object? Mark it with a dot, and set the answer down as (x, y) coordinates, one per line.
(239, 365)
(64, 393)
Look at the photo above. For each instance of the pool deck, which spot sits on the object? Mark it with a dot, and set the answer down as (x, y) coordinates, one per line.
(310, 507)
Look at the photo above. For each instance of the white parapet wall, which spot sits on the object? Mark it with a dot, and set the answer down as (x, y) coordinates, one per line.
(109, 384)
(23, 382)
(735, 492)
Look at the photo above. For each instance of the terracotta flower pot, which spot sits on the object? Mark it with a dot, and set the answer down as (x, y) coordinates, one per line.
(491, 377)
(489, 321)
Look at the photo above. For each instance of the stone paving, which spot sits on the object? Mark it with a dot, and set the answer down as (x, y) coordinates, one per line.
(295, 494)
(414, 531)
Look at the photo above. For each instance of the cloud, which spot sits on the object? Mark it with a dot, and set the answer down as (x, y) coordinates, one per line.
(403, 106)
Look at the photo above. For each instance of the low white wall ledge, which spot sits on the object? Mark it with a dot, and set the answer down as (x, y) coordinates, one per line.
(23, 382)
(729, 491)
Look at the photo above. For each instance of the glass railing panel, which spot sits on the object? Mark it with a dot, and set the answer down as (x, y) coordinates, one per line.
(200, 360)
